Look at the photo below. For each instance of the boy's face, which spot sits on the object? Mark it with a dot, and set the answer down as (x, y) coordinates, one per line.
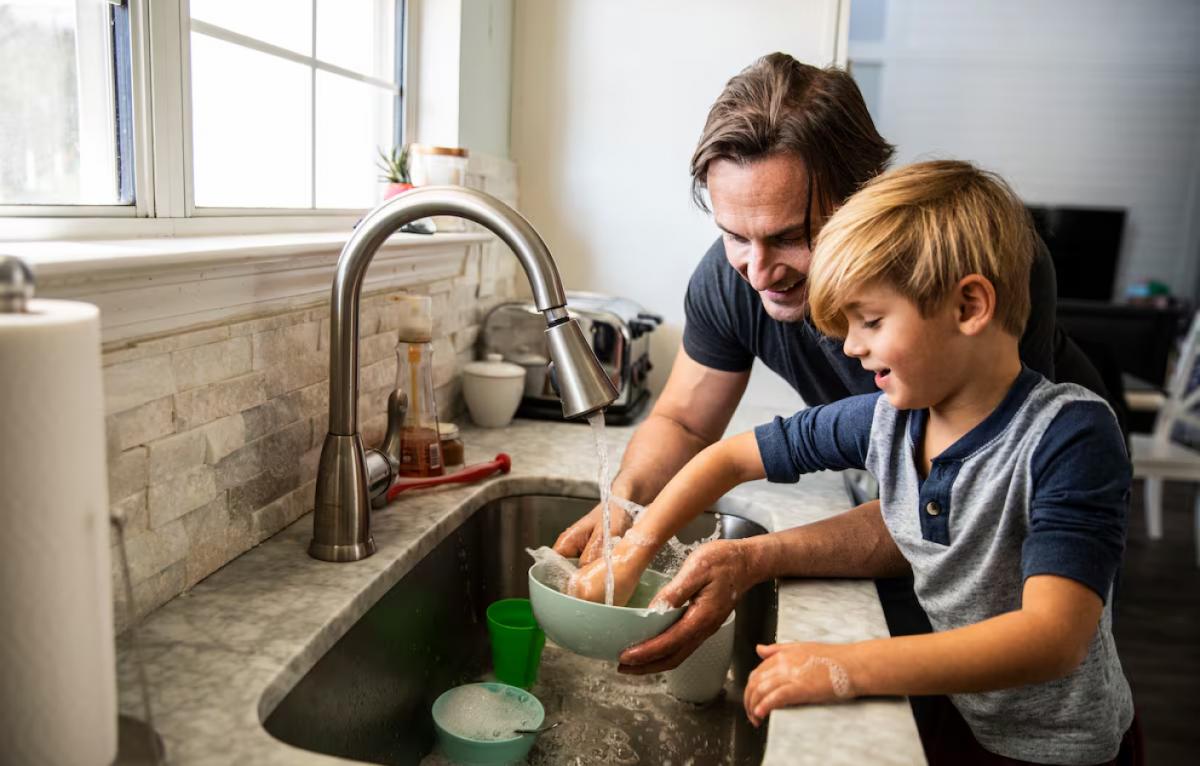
(916, 359)
(759, 207)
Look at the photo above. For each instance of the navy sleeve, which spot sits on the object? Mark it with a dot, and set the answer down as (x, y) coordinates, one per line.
(829, 436)
(1080, 507)
(709, 331)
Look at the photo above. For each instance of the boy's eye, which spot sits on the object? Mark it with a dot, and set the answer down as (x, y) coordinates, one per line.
(871, 324)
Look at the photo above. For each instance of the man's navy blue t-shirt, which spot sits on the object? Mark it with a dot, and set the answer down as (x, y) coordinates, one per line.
(727, 327)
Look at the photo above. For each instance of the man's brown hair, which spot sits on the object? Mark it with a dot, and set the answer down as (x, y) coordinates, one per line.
(779, 105)
(919, 230)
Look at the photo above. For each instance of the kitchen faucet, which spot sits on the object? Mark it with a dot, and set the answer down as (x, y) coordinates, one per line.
(348, 477)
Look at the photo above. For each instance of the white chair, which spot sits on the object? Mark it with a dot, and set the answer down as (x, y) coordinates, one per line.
(1156, 458)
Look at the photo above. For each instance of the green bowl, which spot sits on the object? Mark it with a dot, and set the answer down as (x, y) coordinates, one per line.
(488, 752)
(597, 630)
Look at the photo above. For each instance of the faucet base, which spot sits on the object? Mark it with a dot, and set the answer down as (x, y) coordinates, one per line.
(342, 516)
(341, 553)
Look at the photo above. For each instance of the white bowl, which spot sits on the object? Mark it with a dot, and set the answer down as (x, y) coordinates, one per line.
(493, 390)
(597, 630)
(701, 676)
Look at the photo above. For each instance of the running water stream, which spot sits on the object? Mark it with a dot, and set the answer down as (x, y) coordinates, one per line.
(668, 560)
(605, 481)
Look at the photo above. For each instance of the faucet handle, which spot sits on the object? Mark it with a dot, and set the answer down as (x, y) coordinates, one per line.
(397, 407)
(383, 464)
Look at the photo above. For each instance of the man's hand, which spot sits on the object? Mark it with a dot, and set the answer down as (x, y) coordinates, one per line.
(713, 578)
(585, 538)
(798, 674)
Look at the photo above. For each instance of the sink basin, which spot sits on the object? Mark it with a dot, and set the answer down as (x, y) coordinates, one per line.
(369, 697)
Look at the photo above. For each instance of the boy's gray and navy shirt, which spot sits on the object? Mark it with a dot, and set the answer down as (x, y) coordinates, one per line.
(1040, 487)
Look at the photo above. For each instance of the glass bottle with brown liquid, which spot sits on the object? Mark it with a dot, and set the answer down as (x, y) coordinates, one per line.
(420, 445)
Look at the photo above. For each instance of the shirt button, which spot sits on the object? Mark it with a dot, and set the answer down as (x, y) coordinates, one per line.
(932, 508)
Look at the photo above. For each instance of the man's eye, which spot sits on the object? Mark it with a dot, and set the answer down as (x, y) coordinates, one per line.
(871, 324)
(791, 241)
(736, 238)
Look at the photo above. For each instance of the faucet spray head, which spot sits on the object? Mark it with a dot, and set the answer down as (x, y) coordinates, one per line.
(582, 384)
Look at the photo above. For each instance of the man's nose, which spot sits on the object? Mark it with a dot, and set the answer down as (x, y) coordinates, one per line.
(762, 271)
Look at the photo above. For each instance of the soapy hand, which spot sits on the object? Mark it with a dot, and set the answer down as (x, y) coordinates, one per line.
(585, 538)
(797, 674)
(711, 581)
(628, 564)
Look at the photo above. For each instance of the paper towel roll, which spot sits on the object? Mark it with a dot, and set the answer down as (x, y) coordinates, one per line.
(56, 623)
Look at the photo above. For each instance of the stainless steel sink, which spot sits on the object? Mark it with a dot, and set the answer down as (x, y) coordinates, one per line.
(368, 698)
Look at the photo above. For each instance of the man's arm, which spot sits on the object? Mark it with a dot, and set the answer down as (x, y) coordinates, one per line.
(852, 544)
(691, 413)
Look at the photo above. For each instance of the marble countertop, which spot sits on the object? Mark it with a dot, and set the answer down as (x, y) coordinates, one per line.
(220, 657)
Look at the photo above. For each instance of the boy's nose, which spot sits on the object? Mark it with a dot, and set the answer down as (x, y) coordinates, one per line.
(852, 347)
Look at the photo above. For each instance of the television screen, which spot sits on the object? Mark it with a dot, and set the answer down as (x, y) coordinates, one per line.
(1084, 244)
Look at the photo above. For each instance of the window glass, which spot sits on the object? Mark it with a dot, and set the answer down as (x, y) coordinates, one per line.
(285, 23)
(359, 35)
(353, 118)
(310, 126)
(251, 127)
(58, 130)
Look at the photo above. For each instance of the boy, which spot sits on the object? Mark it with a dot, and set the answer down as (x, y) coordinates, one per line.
(1005, 494)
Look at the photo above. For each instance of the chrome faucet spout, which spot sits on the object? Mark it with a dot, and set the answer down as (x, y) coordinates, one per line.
(341, 518)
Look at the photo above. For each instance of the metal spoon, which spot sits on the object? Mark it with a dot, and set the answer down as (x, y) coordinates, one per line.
(537, 731)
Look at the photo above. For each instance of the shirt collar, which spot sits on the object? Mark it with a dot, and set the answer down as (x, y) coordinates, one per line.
(988, 429)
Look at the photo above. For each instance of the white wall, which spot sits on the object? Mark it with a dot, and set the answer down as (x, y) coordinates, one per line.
(609, 99)
(462, 81)
(434, 78)
(1075, 102)
(485, 84)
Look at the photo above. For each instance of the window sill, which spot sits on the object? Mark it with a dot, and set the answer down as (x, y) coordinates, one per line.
(158, 285)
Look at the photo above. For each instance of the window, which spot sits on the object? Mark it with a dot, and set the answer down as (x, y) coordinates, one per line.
(303, 92)
(64, 103)
(255, 107)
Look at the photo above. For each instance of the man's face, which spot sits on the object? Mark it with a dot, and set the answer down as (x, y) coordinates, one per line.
(760, 208)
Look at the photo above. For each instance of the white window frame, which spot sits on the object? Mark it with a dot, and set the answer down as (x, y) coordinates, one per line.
(160, 52)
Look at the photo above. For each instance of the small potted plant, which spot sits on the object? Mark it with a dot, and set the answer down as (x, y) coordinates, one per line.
(394, 165)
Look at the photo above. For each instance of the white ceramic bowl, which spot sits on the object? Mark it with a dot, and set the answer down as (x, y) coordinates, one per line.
(597, 630)
(701, 676)
(535, 371)
(493, 390)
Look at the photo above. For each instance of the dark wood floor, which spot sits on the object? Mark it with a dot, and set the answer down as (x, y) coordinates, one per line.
(1157, 627)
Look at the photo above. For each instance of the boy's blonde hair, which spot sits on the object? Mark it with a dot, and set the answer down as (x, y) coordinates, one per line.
(920, 229)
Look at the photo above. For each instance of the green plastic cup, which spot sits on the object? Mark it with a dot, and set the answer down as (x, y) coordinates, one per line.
(517, 642)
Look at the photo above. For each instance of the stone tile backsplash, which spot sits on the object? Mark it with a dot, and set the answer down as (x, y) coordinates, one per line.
(214, 433)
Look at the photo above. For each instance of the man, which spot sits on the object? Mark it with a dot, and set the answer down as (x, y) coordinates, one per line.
(784, 145)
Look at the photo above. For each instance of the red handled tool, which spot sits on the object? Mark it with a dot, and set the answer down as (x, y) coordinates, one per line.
(501, 463)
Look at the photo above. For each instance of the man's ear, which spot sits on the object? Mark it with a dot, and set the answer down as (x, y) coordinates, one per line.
(975, 299)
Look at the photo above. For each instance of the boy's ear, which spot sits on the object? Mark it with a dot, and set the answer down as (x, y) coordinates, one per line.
(975, 300)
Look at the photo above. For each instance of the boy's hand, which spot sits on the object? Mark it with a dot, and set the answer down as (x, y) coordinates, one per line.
(589, 582)
(798, 674)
